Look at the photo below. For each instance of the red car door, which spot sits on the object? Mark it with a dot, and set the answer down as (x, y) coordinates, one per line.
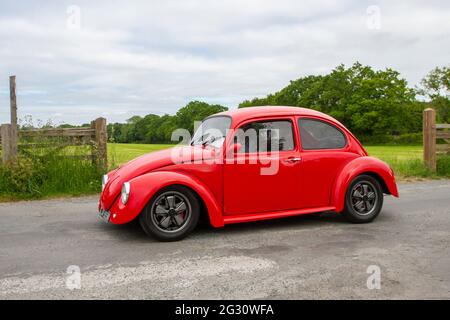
(324, 152)
(264, 174)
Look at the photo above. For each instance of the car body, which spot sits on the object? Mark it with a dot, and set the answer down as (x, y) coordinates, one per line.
(316, 160)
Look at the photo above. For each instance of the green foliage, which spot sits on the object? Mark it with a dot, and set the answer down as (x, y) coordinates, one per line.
(406, 161)
(376, 105)
(436, 86)
(20, 177)
(368, 102)
(443, 166)
(49, 171)
(414, 168)
(436, 83)
(442, 107)
(405, 139)
(196, 111)
(158, 129)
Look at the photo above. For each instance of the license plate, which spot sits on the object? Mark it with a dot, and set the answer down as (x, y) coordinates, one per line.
(104, 215)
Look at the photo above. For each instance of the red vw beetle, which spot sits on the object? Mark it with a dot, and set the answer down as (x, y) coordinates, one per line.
(245, 165)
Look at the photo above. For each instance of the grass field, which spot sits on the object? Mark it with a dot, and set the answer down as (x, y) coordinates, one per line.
(405, 160)
(395, 153)
(119, 153)
(123, 152)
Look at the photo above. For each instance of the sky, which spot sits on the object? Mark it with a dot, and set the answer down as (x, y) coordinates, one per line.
(78, 60)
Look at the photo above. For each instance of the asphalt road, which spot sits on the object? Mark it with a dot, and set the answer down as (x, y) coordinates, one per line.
(312, 257)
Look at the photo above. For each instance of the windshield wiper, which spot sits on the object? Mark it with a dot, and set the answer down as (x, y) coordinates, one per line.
(208, 141)
(201, 140)
(204, 140)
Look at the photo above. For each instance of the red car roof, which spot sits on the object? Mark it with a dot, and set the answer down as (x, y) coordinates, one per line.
(242, 114)
(253, 112)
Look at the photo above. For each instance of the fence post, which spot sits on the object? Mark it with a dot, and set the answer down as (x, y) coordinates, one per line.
(8, 154)
(100, 155)
(429, 138)
(13, 99)
(13, 109)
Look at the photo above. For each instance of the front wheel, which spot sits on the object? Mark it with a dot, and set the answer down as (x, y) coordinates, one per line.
(363, 200)
(171, 214)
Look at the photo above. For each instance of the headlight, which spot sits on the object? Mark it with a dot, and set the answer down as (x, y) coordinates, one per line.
(125, 192)
(104, 181)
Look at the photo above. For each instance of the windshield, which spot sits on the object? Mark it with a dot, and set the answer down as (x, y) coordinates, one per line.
(212, 132)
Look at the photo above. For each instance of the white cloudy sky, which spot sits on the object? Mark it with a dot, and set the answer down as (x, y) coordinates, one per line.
(140, 57)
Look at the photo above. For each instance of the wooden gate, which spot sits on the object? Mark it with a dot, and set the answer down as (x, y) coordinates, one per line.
(13, 139)
(431, 133)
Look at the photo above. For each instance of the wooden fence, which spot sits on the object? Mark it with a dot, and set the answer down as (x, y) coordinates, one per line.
(13, 140)
(95, 137)
(431, 133)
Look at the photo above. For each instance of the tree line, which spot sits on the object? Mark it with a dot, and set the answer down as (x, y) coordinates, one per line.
(153, 128)
(376, 105)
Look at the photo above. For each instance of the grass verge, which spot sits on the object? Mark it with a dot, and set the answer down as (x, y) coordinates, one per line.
(49, 172)
(407, 163)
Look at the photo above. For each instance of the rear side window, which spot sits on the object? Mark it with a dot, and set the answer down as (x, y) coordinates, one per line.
(316, 134)
(265, 136)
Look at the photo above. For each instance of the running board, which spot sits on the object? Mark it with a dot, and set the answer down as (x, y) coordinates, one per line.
(272, 215)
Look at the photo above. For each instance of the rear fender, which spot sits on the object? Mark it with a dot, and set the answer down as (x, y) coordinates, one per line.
(359, 166)
(145, 186)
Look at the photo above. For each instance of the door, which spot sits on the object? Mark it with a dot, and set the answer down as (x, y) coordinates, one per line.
(324, 152)
(263, 175)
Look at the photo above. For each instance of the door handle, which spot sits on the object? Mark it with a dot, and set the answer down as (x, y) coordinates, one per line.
(293, 159)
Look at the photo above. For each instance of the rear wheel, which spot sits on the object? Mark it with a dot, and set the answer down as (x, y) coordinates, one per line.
(171, 214)
(363, 200)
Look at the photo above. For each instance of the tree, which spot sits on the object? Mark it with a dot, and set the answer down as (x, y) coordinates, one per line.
(368, 102)
(167, 126)
(256, 102)
(371, 103)
(153, 128)
(158, 129)
(196, 111)
(436, 87)
(66, 126)
(143, 125)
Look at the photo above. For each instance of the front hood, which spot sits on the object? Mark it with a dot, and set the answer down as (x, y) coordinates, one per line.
(146, 163)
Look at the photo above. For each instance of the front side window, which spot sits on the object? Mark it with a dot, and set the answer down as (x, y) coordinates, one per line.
(212, 132)
(316, 134)
(265, 136)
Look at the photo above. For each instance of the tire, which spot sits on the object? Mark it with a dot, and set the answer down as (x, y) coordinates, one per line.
(363, 199)
(165, 218)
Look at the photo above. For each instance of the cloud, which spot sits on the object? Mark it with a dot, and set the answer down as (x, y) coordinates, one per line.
(142, 57)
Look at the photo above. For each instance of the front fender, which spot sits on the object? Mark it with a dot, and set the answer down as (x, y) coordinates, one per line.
(359, 166)
(145, 186)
